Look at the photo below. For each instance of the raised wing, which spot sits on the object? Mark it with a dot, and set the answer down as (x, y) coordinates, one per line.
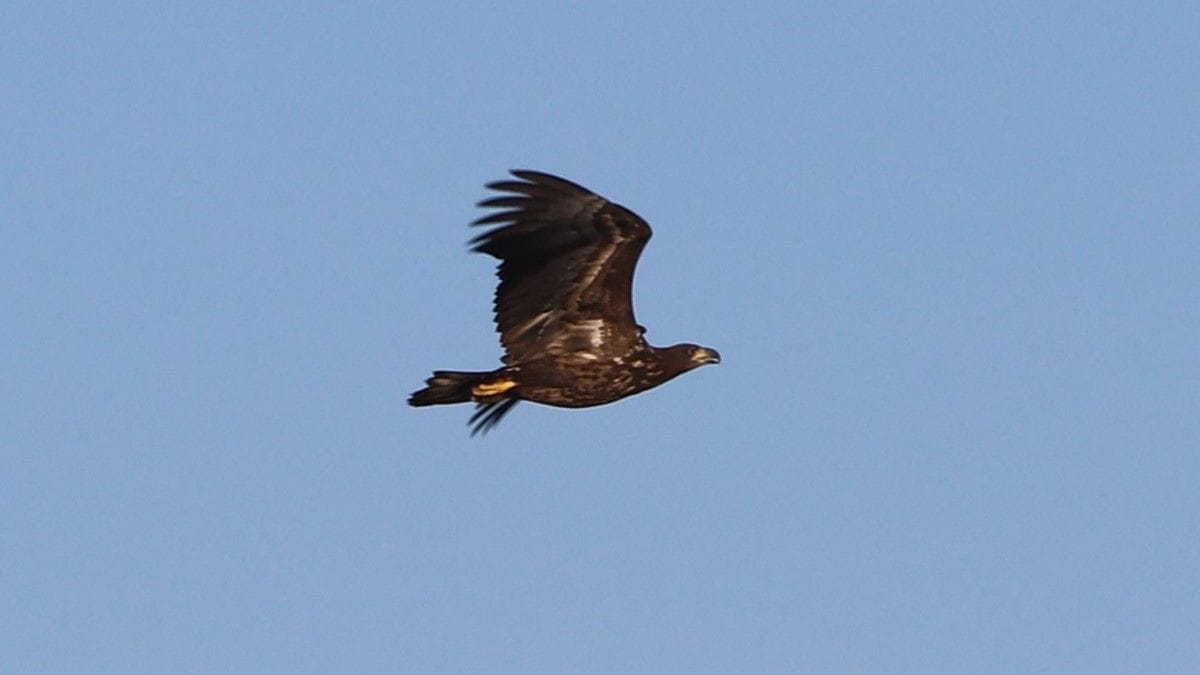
(567, 257)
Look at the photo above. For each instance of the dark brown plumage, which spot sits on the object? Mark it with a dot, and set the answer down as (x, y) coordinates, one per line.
(564, 306)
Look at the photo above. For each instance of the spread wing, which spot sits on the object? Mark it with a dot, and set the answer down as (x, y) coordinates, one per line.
(567, 257)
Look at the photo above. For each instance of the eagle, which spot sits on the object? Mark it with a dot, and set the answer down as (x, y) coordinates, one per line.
(563, 307)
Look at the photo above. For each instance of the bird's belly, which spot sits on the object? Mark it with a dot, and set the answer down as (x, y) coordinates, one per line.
(588, 388)
(571, 399)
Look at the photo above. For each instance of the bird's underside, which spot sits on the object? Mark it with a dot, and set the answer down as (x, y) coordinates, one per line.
(563, 307)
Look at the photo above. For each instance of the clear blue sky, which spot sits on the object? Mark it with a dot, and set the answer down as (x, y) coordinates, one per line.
(950, 255)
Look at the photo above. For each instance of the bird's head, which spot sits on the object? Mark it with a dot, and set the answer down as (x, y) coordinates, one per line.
(696, 356)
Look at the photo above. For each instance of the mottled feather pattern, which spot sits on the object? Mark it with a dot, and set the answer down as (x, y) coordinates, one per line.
(564, 305)
(567, 256)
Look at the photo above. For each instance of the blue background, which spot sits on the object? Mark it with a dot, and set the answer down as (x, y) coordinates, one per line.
(947, 251)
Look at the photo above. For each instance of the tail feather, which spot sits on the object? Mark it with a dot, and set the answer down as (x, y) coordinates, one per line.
(454, 386)
(446, 386)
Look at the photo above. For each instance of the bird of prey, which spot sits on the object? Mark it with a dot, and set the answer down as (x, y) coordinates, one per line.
(564, 305)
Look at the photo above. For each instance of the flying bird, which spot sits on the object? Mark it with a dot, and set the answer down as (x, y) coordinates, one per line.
(564, 305)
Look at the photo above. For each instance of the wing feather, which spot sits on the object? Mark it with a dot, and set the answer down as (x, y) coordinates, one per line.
(567, 258)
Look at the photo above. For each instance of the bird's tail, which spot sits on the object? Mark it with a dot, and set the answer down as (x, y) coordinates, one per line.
(447, 386)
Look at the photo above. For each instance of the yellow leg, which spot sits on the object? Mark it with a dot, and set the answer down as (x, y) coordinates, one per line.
(490, 389)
